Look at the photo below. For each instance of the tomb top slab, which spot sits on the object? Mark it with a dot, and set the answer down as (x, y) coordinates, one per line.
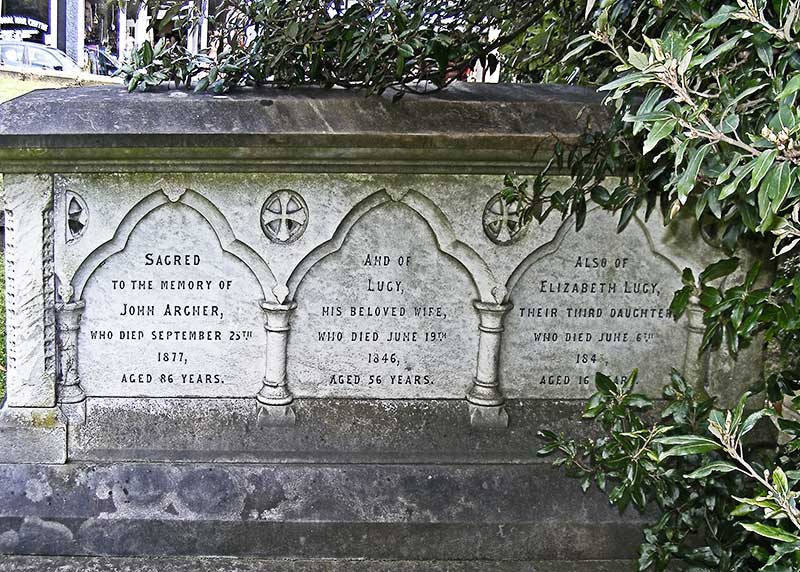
(509, 126)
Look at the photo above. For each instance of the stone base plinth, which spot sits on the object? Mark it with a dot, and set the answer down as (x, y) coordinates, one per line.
(323, 431)
(32, 435)
(347, 511)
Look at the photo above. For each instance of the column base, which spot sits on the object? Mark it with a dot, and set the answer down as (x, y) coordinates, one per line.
(482, 395)
(483, 417)
(75, 413)
(276, 416)
(273, 394)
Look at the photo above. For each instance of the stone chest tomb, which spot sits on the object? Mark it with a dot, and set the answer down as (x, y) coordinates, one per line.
(304, 324)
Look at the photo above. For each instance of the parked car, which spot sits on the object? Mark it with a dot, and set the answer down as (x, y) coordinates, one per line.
(31, 56)
(99, 61)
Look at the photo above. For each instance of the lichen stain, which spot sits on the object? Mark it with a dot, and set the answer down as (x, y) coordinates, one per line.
(44, 420)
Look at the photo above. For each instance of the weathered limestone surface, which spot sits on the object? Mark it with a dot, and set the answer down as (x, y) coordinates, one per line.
(326, 431)
(464, 110)
(30, 318)
(390, 281)
(596, 300)
(33, 435)
(304, 325)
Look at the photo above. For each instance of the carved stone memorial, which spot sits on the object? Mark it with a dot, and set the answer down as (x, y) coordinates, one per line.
(318, 315)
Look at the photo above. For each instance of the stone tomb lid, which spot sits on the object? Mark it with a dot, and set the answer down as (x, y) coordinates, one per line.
(465, 115)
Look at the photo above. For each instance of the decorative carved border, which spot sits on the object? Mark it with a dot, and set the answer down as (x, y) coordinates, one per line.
(30, 290)
(48, 281)
(11, 298)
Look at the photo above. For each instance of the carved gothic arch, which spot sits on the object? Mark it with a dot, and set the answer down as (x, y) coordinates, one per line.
(194, 200)
(554, 245)
(425, 208)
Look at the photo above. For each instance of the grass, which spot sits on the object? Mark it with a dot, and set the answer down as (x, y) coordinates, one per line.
(11, 87)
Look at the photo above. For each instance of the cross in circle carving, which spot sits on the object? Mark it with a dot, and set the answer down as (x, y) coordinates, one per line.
(284, 216)
(501, 221)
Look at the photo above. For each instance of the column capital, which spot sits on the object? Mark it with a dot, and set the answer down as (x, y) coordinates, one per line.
(69, 315)
(491, 307)
(275, 307)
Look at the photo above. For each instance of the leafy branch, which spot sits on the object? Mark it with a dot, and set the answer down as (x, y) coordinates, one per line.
(776, 498)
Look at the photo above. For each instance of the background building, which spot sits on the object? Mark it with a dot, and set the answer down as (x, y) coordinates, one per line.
(75, 25)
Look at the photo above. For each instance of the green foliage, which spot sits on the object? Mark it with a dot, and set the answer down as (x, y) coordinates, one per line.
(667, 460)
(707, 124)
(371, 44)
(736, 313)
(150, 66)
(773, 499)
(731, 139)
(538, 55)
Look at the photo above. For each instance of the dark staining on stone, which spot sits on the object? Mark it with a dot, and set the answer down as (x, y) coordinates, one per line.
(268, 494)
(266, 102)
(208, 492)
(142, 488)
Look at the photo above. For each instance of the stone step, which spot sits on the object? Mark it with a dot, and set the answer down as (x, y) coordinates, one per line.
(380, 512)
(171, 564)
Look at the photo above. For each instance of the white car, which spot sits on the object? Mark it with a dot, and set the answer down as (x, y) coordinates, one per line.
(32, 56)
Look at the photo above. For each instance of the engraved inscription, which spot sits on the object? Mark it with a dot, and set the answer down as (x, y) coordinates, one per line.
(595, 305)
(387, 316)
(172, 315)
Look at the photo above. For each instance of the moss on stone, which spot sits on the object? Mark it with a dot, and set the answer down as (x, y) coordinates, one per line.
(46, 420)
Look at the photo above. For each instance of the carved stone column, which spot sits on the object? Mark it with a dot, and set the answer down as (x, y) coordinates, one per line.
(694, 369)
(71, 396)
(274, 399)
(486, 401)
